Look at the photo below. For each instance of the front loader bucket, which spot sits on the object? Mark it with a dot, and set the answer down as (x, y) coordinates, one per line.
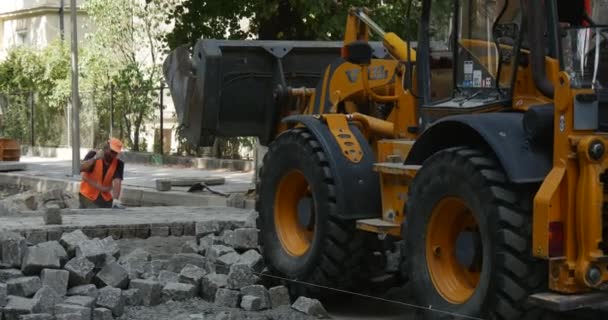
(226, 89)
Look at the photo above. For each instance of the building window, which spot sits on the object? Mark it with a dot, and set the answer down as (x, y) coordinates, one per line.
(21, 38)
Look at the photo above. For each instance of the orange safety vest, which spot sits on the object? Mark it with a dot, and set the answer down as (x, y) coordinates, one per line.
(90, 192)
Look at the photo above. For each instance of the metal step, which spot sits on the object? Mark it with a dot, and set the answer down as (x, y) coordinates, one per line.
(379, 226)
(396, 168)
(567, 302)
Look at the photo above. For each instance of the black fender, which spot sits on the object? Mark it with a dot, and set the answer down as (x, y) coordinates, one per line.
(503, 133)
(357, 185)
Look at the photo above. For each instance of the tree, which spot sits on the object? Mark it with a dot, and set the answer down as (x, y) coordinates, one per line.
(281, 19)
(128, 34)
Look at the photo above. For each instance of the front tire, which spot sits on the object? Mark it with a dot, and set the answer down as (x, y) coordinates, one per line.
(468, 239)
(300, 234)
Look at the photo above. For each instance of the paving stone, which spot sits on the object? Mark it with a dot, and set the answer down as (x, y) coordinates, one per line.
(111, 298)
(115, 233)
(13, 247)
(102, 314)
(178, 292)
(94, 250)
(110, 247)
(84, 313)
(84, 290)
(251, 303)
(134, 262)
(52, 215)
(38, 258)
(71, 240)
(17, 306)
(260, 292)
(56, 280)
(113, 275)
(8, 274)
(83, 301)
(190, 247)
(227, 298)
(95, 232)
(205, 243)
(142, 232)
(132, 297)
(204, 228)
(189, 229)
(312, 307)
(251, 221)
(47, 298)
(57, 248)
(211, 283)
(179, 261)
(36, 236)
(37, 316)
(150, 291)
(240, 276)
(71, 316)
(192, 275)
(159, 231)
(253, 259)
(242, 238)
(279, 296)
(163, 185)
(223, 263)
(167, 276)
(153, 268)
(176, 229)
(81, 271)
(3, 296)
(23, 287)
(54, 234)
(217, 250)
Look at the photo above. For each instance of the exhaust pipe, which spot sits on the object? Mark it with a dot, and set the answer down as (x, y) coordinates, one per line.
(536, 39)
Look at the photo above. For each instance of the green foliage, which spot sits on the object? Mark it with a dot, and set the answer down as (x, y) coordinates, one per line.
(282, 19)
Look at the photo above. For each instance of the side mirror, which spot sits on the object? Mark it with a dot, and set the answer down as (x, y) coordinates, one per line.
(358, 52)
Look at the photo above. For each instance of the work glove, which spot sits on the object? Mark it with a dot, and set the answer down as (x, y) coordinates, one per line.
(116, 204)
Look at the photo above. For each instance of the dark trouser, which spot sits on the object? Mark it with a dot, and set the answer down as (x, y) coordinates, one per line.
(99, 203)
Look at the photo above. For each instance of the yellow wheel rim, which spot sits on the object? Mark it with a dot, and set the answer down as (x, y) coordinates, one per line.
(454, 277)
(294, 236)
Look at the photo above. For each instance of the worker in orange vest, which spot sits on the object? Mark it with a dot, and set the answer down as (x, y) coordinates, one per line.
(102, 174)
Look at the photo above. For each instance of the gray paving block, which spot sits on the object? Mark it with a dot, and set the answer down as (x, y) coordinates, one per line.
(260, 292)
(56, 280)
(253, 259)
(36, 236)
(17, 306)
(38, 258)
(95, 231)
(192, 275)
(179, 261)
(217, 250)
(312, 307)
(37, 316)
(52, 215)
(83, 301)
(189, 229)
(178, 292)
(81, 271)
(23, 287)
(3, 295)
(71, 240)
(241, 238)
(115, 233)
(47, 298)
(142, 231)
(205, 243)
(251, 303)
(102, 314)
(71, 316)
(211, 283)
(165, 277)
(223, 263)
(190, 247)
(84, 290)
(279, 296)
(163, 185)
(205, 228)
(57, 248)
(227, 298)
(150, 291)
(7, 274)
(251, 221)
(176, 229)
(134, 262)
(111, 298)
(84, 312)
(132, 297)
(159, 231)
(113, 275)
(94, 250)
(54, 234)
(110, 247)
(13, 247)
(153, 268)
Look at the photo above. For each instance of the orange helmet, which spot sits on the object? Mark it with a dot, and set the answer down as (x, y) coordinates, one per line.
(115, 145)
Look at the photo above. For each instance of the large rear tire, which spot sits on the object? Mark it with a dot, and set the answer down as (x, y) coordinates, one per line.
(468, 239)
(300, 235)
